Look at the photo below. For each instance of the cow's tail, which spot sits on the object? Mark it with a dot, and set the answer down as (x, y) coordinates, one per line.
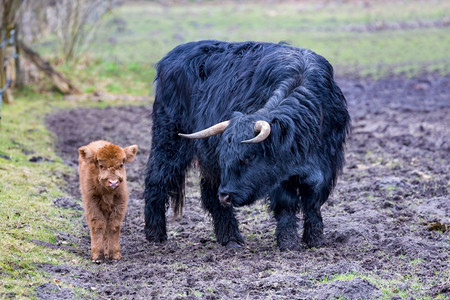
(177, 199)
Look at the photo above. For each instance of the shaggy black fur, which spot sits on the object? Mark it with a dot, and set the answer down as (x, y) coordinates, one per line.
(202, 83)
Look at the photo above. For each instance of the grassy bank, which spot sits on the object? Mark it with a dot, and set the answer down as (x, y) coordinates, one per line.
(374, 39)
(31, 178)
(27, 190)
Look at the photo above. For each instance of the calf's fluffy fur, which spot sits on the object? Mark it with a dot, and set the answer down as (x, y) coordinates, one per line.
(103, 184)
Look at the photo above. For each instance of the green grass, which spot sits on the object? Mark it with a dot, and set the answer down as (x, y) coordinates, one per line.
(27, 191)
(376, 40)
(401, 286)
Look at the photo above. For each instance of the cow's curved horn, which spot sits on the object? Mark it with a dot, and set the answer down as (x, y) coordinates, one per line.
(213, 130)
(263, 129)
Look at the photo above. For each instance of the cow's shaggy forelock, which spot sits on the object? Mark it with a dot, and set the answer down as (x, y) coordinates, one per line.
(247, 170)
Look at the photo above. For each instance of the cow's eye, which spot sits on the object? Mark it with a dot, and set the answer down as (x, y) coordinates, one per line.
(246, 161)
(121, 166)
(249, 158)
(100, 167)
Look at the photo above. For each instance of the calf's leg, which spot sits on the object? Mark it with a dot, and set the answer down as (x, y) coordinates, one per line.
(113, 230)
(113, 234)
(97, 227)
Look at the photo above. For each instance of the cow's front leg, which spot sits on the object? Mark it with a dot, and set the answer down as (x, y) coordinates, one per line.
(166, 168)
(285, 203)
(155, 212)
(224, 221)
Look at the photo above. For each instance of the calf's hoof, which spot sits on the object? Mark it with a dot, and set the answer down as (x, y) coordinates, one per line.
(116, 256)
(98, 259)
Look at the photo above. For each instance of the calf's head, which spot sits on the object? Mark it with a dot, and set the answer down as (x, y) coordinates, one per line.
(251, 157)
(108, 162)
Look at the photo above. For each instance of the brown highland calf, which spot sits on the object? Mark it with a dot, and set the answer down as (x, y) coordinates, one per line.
(103, 184)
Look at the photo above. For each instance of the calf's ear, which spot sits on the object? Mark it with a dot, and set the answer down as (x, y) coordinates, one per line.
(130, 152)
(86, 153)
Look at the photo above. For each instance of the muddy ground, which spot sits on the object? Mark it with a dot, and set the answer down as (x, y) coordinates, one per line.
(386, 224)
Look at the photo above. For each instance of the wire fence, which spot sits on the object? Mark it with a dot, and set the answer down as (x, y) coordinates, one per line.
(10, 41)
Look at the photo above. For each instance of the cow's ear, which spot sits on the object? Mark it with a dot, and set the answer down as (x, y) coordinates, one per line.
(130, 152)
(281, 131)
(86, 153)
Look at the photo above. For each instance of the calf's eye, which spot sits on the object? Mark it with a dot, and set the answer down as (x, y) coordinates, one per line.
(100, 167)
(121, 166)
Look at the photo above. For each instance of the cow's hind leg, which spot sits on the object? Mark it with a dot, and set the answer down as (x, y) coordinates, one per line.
(166, 168)
(313, 196)
(285, 204)
(225, 223)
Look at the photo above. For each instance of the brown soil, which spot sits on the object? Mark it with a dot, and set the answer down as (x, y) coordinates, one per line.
(386, 224)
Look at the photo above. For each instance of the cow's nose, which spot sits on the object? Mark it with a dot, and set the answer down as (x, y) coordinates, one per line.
(225, 199)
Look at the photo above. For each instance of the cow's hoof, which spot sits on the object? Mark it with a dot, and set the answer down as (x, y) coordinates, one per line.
(289, 240)
(235, 245)
(155, 238)
(290, 247)
(313, 242)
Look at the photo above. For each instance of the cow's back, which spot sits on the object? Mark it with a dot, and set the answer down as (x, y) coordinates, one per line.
(213, 79)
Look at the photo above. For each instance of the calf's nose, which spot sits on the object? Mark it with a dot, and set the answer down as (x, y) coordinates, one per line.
(113, 183)
(225, 199)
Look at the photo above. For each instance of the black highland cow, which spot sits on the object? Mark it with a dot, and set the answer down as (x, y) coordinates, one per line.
(276, 124)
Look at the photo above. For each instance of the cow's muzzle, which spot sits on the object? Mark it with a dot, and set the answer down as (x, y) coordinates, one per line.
(225, 199)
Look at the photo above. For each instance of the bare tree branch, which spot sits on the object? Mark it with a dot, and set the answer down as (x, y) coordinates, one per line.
(59, 80)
